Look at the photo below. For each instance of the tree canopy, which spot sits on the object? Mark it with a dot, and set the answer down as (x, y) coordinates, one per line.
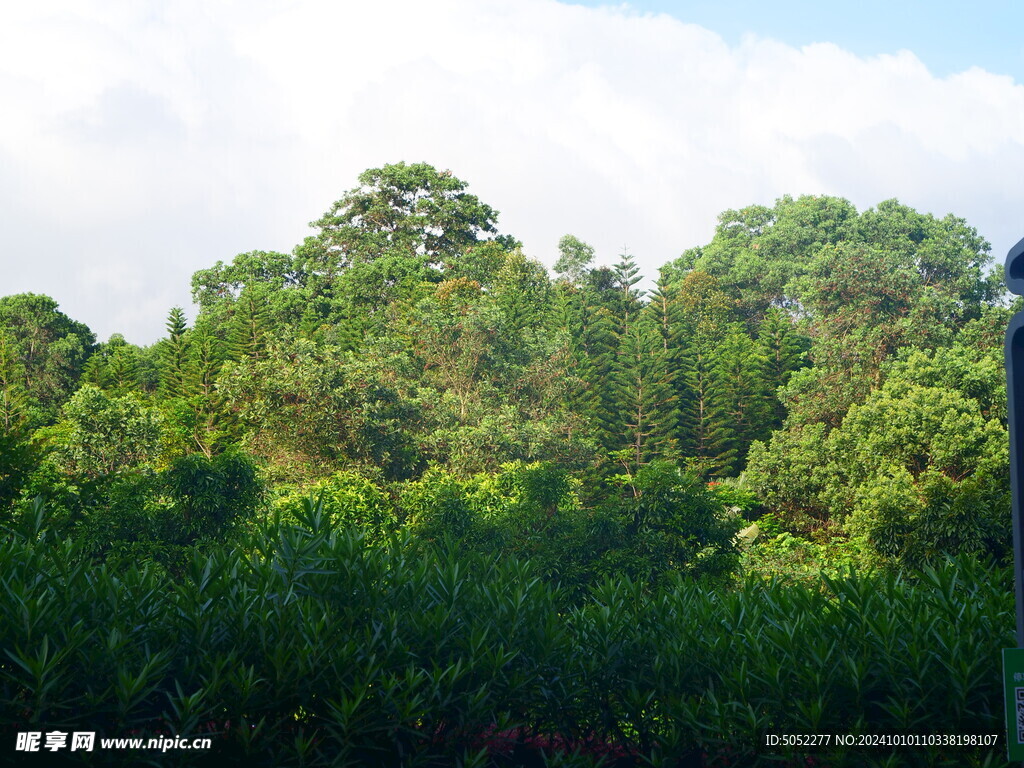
(841, 368)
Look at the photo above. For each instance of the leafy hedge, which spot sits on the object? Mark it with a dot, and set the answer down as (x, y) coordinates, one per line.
(306, 646)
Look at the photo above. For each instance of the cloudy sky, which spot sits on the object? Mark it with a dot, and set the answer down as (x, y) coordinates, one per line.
(141, 141)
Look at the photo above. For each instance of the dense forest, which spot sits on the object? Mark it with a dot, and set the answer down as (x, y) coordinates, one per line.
(402, 495)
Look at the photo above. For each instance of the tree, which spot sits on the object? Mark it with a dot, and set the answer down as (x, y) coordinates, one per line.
(740, 401)
(644, 395)
(920, 468)
(14, 397)
(100, 435)
(51, 348)
(250, 325)
(114, 366)
(16, 454)
(785, 351)
(523, 292)
(673, 523)
(759, 253)
(574, 256)
(213, 492)
(174, 356)
(700, 315)
(311, 407)
(412, 210)
(626, 276)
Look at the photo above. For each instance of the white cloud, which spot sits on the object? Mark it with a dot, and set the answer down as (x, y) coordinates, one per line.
(144, 141)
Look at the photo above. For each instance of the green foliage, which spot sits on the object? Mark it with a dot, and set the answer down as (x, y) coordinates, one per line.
(785, 351)
(919, 470)
(304, 403)
(121, 520)
(349, 500)
(99, 434)
(791, 471)
(211, 494)
(41, 349)
(673, 524)
(117, 367)
(644, 396)
(574, 256)
(739, 402)
(17, 459)
(322, 649)
(412, 209)
(216, 289)
(803, 557)
(174, 355)
(456, 414)
(439, 506)
(250, 326)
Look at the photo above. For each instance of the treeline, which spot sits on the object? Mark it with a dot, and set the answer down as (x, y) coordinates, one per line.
(834, 375)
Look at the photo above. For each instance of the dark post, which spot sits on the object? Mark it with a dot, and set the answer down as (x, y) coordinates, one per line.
(1015, 413)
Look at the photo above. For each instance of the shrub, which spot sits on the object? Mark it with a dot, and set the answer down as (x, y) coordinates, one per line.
(302, 645)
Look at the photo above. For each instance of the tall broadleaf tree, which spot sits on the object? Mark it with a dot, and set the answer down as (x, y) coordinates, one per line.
(574, 258)
(51, 348)
(404, 224)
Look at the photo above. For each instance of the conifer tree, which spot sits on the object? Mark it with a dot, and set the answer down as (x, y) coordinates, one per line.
(250, 325)
(700, 318)
(603, 348)
(643, 393)
(113, 367)
(740, 401)
(174, 356)
(572, 316)
(204, 362)
(627, 275)
(95, 371)
(122, 369)
(784, 350)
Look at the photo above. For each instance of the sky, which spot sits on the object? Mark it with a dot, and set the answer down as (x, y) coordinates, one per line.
(141, 141)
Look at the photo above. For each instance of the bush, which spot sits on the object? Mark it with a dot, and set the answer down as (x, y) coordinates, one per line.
(212, 493)
(302, 645)
(352, 501)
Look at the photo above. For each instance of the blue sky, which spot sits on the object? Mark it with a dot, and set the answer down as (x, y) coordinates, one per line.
(947, 36)
(144, 140)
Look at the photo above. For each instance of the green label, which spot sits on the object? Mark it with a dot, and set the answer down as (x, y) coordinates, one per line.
(1013, 686)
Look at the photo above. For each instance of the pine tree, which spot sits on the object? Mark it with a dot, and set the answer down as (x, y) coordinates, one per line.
(785, 350)
(95, 371)
(247, 338)
(700, 313)
(603, 350)
(174, 356)
(572, 317)
(113, 367)
(740, 401)
(204, 363)
(626, 276)
(644, 396)
(122, 370)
